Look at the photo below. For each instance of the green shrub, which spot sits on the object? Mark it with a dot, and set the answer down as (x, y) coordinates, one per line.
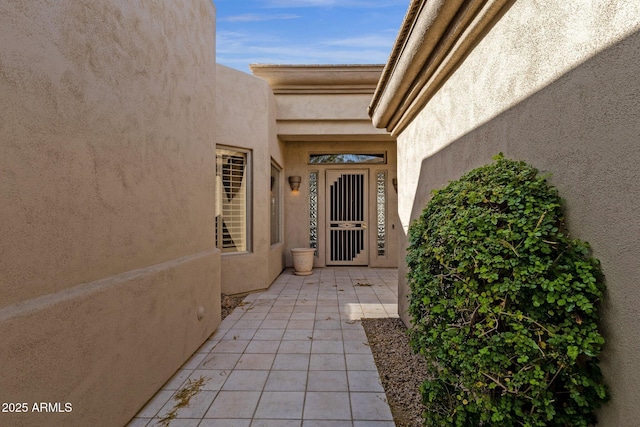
(504, 304)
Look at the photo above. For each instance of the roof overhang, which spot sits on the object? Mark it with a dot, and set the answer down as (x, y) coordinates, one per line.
(435, 37)
(310, 79)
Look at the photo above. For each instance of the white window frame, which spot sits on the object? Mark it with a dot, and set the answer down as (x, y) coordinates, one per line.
(275, 202)
(244, 216)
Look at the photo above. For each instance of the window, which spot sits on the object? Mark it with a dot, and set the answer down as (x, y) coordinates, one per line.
(349, 158)
(233, 195)
(275, 204)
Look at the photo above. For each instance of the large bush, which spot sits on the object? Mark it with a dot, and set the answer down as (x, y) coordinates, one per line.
(504, 304)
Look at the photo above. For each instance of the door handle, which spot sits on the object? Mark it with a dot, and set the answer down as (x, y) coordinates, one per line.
(364, 225)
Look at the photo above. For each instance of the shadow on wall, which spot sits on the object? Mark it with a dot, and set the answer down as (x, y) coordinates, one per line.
(584, 130)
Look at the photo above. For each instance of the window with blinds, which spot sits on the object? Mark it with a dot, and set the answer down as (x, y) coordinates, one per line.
(275, 203)
(232, 207)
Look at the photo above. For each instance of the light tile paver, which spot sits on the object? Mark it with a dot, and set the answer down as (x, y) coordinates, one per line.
(295, 355)
(295, 346)
(262, 347)
(268, 334)
(327, 362)
(275, 423)
(320, 346)
(319, 423)
(234, 404)
(360, 362)
(365, 381)
(259, 361)
(370, 406)
(327, 381)
(298, 334)
(241, 380)
(198, 405)
(369, 424)
(286, 381)
(324, 405)
(231, 422)
(281, 405)
(291, 361)
(154, 405)
(177, 380)
(357, 347)
(220, 361)
(238, 334)
(213, 378)
(231, 346)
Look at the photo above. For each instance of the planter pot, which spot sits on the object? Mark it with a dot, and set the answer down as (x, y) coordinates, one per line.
(302, 261)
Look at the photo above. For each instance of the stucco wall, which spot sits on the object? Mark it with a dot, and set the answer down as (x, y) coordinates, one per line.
(554, 84)
(326, 117)
(297, 203)
(245, 118)
(107, 192)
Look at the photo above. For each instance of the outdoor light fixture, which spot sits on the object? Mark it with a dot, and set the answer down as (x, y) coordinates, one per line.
(294, 182)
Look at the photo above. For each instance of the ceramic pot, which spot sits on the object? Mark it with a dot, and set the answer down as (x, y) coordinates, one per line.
(303, 261)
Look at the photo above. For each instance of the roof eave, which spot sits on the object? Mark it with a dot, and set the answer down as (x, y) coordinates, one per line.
(435, 37)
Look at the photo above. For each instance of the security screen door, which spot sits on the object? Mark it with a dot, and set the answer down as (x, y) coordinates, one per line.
(346, 215)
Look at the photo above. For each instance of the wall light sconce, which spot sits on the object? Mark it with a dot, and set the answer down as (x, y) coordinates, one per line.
(294, 182)
(394, 181)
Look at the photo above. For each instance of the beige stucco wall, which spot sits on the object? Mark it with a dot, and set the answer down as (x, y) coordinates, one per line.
(326, 117)
(297, 203)
(323, 109)
(555, 84)
(245, 118)
(107, 192)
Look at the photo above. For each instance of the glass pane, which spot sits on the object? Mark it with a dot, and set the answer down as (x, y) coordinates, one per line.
(381, 199)
(231, 215)
(347, 158)
(313, 210)
(275, 204)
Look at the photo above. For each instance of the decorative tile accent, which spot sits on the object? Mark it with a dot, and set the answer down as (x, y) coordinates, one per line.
(313, 210)
(381, 202)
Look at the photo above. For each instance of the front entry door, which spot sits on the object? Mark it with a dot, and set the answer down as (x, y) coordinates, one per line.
(346, 215)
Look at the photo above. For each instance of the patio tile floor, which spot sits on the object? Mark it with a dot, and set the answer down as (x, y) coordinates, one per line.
(293, 355)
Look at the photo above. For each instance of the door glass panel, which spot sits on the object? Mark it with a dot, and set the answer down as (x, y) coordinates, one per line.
(352, 158)
(381, 201)
(313, 210)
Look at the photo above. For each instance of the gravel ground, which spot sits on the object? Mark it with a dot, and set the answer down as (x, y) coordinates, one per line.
(400, 370)
(229, 302)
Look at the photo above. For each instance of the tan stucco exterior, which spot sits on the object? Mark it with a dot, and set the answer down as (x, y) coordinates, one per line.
(323, 109)
(245, 118)
(297, 203)
(109, 278)
(554, 84)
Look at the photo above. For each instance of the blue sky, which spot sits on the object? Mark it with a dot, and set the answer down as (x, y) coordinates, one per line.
(306, 31)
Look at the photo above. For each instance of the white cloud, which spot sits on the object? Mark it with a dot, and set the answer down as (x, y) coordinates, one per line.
(367, 41)
(361, 41)
(257, 17)
(332, 3)
(247, 52)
